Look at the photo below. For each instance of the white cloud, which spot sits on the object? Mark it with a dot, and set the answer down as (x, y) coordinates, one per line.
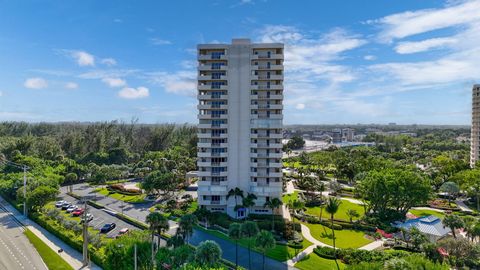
(35, 83)
(158, 41)
(71, 85)
(109, 73)
(1, 93)
(370, 57)
(83, 58)
(300, 106)
(424, 45)
(109, 62)
(114, 82)
(132, 93)
(181, 82)
(410, 23)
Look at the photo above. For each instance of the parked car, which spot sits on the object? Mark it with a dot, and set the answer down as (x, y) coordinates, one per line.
(59, 204)
(88, 218)
(77, 212)
(107, 227)
(123, 231)
(66, 205)
(72, 208)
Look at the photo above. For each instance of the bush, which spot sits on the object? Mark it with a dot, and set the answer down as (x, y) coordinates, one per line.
(325, 252)
(329, 224)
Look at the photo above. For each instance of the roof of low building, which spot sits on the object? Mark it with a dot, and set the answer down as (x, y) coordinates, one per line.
(428, 225)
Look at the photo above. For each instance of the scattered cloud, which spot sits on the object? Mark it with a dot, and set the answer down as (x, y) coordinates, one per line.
(158, 41)
(411, 23)
(424, 45)
(71, 85)
(114, 82)
(117, 20)
(109, 62)
(35, 83)
(108, 73)
(1, 93)
(82, 58)
(134, 93)
(300, 106)
(181, 82)
(370, 57)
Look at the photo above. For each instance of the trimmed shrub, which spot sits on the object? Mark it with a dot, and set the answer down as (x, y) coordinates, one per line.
(326, 252)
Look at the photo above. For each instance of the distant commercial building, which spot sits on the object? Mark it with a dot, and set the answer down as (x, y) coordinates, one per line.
(240, 93)
(475, 132)
(347, 134)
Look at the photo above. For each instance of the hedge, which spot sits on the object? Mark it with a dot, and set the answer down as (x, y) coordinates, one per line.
(326, 252)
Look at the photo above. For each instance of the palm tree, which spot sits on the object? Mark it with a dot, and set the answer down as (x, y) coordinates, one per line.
(249, 229)
(352, 213)
(249, 201)
(158, 223)
(453, 222)
(203, 214)
(235, 193)
(264, 241)
(273, 204)
(186, 224)
(296, 205)
(332, 207)
(208, 253)
(235, 233)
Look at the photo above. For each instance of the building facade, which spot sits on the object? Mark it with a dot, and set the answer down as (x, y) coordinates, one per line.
(475, 132)
(240, 94)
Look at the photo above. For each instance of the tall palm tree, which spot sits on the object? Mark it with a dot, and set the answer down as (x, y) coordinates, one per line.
(235, 193)
(235, 233)
(157, 224)
(186, 224)
(273, 204)
(249, 201)
(332, 207)
(296, 205)
(249, 230)
(264, 241)
(208, 253)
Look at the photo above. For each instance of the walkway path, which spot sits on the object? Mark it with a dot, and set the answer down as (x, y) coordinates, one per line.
(69, 254)
(463, 206)
(372, 245)
(308, 236)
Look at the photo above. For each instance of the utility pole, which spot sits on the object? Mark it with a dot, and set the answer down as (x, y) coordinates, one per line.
(135, 255)
(85, 261)
(25, 191)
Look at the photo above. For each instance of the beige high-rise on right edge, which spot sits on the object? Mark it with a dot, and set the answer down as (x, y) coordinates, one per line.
(475, 137)
(240, 94)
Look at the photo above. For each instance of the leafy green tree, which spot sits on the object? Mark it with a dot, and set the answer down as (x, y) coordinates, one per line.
(264, 241)
(208, 253)
(158, 181)
(273, 204)
(186, 225)
(451, 188)
(296, 142)
(417, 238)
(158, 224)
(453, 222)
(119, 252)
(469, 180)
(70, 179)
(332, 207)
(249, 230)
(39, 197)
(235, 233)
(393, 189)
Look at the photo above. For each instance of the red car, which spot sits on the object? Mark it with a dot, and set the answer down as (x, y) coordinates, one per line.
(78, 212)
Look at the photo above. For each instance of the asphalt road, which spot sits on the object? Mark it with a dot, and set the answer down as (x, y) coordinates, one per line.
(16, 251)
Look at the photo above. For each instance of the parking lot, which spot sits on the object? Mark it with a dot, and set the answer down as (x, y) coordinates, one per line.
(100, 217)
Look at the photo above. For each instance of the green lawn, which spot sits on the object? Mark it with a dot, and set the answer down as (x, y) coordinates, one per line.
(344, 238)
(280, 252)
(290, 197)
(342, 210)
(140, 198)
(421, 213)
(50, 257)
(315, 262)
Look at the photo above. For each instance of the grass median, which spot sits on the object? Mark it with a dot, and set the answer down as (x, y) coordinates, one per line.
(50, 257)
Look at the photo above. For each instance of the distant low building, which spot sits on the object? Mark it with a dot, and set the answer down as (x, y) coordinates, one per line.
(431, 226)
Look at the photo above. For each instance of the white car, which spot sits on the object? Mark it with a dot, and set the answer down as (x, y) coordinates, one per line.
(72, 208)
(59, 204)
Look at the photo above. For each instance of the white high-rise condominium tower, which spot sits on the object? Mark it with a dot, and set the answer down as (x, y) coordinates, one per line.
(240, 94)
(475, 139)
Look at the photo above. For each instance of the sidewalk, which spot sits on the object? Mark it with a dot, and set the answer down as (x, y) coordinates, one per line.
(463, 206)
(307, 235)
(70, 255)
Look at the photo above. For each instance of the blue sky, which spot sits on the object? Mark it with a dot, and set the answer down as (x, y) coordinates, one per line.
(346, 61)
